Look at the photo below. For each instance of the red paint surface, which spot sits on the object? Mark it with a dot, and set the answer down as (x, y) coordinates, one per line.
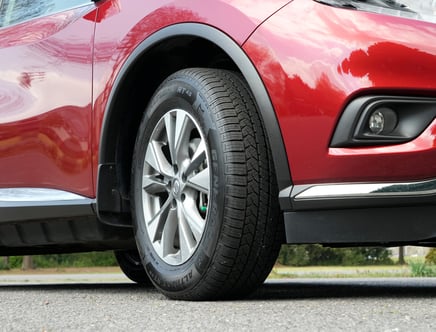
(313, 59)
(49, 135)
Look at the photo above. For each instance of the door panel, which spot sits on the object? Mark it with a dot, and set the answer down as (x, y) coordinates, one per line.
(45, 96)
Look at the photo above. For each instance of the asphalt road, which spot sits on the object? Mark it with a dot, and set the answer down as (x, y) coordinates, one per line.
(287, 305)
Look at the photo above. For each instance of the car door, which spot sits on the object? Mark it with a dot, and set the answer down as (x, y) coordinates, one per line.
(45, 94)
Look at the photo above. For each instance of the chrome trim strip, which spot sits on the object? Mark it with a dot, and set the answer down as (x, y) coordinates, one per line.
(23, 204)
(364, 190)
(36, 195)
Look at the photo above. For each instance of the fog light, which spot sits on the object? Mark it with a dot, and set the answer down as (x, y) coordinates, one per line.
(382, 121)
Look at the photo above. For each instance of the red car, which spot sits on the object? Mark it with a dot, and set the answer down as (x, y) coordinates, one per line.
(195, 137)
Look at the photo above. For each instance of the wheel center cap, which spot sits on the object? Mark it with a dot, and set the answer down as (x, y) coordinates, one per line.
(176, 187)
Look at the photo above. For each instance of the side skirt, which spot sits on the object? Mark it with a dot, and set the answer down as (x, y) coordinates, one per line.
(42, 221)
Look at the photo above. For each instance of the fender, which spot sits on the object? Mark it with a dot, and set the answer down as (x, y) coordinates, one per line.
(105, 199)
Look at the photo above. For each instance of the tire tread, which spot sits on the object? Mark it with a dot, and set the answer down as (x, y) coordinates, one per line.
(251, 232)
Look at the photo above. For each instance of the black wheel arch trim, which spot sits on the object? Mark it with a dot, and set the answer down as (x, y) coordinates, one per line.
(249, 72)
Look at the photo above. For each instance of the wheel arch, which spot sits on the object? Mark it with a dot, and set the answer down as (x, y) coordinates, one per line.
(166, 51)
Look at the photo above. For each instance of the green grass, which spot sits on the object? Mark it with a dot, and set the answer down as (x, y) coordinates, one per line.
(422, 269)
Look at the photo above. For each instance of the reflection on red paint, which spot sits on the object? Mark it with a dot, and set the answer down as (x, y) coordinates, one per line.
(57, 140)
(384, 63)
(45, 110)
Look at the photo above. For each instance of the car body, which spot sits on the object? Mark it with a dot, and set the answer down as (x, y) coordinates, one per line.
(206, 134)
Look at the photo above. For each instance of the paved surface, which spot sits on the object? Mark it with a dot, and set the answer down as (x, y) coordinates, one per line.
(284, 305)
(62, 278)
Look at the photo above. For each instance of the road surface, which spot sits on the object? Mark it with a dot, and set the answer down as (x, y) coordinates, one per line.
(112, 303)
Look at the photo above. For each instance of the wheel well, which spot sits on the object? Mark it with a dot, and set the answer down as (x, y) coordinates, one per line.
(166, 51)
(150, 71)
(137, 87)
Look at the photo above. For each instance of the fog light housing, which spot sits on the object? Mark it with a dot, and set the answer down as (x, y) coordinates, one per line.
(382, 121)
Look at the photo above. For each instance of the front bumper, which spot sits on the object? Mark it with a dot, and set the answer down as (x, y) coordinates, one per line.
(409, 225)
(314, 61)
(361, 213)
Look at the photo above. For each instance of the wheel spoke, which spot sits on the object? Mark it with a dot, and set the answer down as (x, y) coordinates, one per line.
(170, 127)
(200, 181)
(156, 159)
(155, 225)
(183, 129)
(186, 240)
(153, 185)
(193, 218)
(197, 159)
(169, 233)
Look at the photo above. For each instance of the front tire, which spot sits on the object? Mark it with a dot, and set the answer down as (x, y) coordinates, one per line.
(204, 199)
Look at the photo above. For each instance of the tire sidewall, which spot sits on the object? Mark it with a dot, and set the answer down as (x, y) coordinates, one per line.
(129, 262)
(180, 92)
